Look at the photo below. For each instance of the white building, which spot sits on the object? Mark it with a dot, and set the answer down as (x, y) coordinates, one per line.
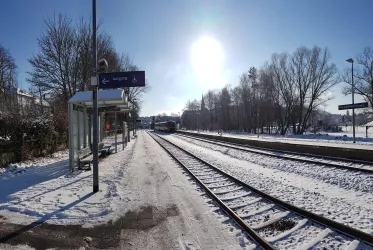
(25, 102)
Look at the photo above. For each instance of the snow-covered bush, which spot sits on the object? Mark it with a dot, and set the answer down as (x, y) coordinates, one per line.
(25, 137)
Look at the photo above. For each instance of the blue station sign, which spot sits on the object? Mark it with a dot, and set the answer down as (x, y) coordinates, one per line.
(116, 80)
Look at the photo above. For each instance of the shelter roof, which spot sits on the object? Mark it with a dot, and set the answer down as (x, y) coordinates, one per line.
(105, 98)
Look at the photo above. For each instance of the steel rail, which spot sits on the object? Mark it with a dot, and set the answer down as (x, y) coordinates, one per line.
(247, 149)
(344, 229)
(255, 236)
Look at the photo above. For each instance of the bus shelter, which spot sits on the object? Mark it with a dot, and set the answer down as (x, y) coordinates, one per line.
(80, 108)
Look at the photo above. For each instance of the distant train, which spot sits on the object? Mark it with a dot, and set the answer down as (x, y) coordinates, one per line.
(169, 126)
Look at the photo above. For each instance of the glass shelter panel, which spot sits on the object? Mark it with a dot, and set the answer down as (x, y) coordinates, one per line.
(75, 135)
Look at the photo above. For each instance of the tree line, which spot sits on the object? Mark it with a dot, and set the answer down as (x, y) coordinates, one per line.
(285, 94)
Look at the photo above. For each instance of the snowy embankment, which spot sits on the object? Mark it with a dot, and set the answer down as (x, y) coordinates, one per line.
(44, 190)
(304, 188)
(327, 138)
(354, 180)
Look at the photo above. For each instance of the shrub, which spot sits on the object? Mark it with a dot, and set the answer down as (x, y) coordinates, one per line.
(23, 137)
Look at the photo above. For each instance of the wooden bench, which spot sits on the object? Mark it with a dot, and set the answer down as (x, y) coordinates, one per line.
(85, 158)
(104, 149)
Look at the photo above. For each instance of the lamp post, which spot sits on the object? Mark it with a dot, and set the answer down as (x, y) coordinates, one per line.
(94, 97)
(350, 60)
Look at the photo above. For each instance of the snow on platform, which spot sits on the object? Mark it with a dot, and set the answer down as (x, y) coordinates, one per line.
(18, 247)
(44, 190)
(184, 215)
(328, 140)
(141, 188)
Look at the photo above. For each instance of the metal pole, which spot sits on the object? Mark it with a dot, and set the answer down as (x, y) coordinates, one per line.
(366, 131)
(71, 139)
(128, 136)
(353, 102)
(85, 126)
(115, 131)
(257, 121)
(77, 114)
(123, 135)
(94, 96)
(90, 130)
(254, 106)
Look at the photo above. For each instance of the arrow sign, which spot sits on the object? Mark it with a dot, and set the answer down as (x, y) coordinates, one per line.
(116, 80)
(104, 81)
(353, 106)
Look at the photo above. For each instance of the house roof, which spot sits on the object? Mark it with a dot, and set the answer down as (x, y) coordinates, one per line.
(105, 98)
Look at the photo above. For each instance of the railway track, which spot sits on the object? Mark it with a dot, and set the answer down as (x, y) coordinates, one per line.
(270, 222)
(353, 165)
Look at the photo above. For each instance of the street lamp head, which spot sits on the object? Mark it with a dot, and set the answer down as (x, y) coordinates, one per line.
(102, 65)
(350, 60)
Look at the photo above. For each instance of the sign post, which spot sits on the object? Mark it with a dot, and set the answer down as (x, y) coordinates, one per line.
(94, 84)
(112, 80)
(353, 106)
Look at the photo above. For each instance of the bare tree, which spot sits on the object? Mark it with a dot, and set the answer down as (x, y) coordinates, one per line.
(286, 90)
(363, 76)
(8, 79)
(313, 75)
(210, 105)
(191, 115)
(268, 94)
(54, 67)
(246, 94)
(225, 107)
(236, 101)
(63, 65)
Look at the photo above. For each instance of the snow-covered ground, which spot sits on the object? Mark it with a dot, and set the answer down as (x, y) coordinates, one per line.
(44, 190)
(18, 247)
(157, 181)
(346, 179)
(141, 177)
(338, 139)
(344, 137)
(336, 194)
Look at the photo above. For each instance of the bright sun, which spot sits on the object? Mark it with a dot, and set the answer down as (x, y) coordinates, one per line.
(207, 58)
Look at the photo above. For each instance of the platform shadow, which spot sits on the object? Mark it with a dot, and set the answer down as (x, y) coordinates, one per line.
(20, 179)
(43, 219)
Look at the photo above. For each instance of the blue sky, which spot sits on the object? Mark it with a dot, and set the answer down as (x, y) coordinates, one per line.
(159, 36)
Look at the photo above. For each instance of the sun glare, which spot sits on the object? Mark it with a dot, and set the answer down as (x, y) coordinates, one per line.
(207, 58)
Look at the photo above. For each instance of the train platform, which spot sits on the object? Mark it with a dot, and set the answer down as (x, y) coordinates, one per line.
(146, 201)
(337, 140)
(313, 145)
